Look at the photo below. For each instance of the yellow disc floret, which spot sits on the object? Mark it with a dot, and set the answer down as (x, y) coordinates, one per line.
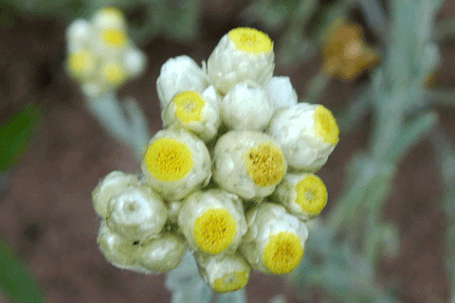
(283, 252)
(113, 73)
(168, 159)
(113, 37)
(250, 40)
(265, 164)
(231, 282)
(188, 106)
(79, 62)
(214, 230)
(311, 194)
(325, 125)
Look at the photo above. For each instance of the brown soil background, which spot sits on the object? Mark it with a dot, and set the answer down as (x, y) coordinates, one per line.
(46, 214)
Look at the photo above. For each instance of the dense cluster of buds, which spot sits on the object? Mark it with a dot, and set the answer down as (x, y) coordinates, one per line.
(231, 175)
(100, 55)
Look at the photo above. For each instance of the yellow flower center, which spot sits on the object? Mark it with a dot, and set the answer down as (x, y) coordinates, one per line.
(265, 164)
(113, 37)
(325, 125)
(80, 62)
(231, 281)
(311, 194)
(283, 252)
(188, 106)
(250, 40)
(113, 73)
(214, 230)
(168, 159)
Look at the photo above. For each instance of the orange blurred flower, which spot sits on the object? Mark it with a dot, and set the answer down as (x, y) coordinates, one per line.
(344, 53)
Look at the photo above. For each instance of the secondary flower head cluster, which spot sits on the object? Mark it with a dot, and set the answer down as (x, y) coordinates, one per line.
(100, 55)
(231, 175)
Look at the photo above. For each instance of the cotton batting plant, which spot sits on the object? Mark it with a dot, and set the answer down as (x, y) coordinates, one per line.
(231, 177)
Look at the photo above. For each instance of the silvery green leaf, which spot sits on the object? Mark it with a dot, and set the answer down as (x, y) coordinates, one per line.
(238, 296)
(185, 283)
(410, 135)
(375, 16)
(354, 112)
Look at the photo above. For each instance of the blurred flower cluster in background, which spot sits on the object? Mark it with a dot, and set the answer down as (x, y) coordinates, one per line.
(93, 91)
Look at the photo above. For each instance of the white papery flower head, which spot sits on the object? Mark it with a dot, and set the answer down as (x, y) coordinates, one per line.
(304, 194)
(249, 164)
(110, 186)
(119, 251)
(246, 106)
(112, 74)
(82, 64)
(136, 213)
(281, 92)
(242, 54)
(177, 75)
(275, 241)
(175, 163)
(197, 113)
(162, 254)
(308, 133)
(222, 272)
(212, 221)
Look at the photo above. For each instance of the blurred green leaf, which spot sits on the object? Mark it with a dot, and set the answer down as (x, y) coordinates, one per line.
(238, 296)
(15, 133)
(15, 280)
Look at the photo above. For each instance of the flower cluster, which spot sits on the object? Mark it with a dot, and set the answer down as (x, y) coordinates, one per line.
(100, 55)
(231, 175)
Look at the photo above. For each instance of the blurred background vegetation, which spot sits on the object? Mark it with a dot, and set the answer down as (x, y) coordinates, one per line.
(386, 69)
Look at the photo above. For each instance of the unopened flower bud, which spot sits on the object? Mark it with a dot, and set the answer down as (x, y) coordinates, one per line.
(197, 113)
(246, 106)
(134, 62)
(119, 251)
(250, 164)
(308, 133)
(78, 35)
(275, 241)
(176, 163)
(242, 54)
(212, 221)
(304, 195)
(111, 185)
(223, 273)
(281, 92)
(137, 213)
(162, 254)
(177, 75)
